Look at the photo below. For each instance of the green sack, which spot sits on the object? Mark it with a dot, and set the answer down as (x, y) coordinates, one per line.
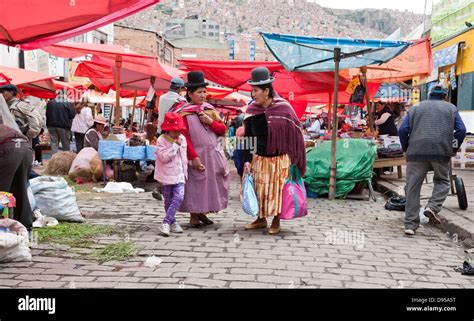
(354, 162)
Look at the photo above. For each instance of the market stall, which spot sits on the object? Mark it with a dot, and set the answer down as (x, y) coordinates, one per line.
(311, 54)
(130, 70)
(30, 82)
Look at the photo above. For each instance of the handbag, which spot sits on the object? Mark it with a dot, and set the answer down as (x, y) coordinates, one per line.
(295, 202)
(249, 198)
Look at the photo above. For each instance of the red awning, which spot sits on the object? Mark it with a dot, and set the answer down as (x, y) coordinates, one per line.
(102, 74)
(342, 98)
(234, 74)
(35, 24)
(415, 61)
(30, 82)
(137, 64)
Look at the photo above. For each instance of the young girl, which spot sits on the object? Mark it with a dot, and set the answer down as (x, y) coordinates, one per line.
(171, 168)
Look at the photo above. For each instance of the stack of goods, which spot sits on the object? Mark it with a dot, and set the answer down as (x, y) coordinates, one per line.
(465, 156)
(354, 159)
(389, 147)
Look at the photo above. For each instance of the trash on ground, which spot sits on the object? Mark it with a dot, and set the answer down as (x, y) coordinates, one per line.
(43, 221)
(118, 187)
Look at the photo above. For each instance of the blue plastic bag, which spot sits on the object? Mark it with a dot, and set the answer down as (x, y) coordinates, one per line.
(109, 149)
(150, 152)
(249, 198)
(134, 152)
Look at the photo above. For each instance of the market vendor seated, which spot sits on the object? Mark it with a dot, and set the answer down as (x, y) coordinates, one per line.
(385, 120)
(315, 127)
(94, 134)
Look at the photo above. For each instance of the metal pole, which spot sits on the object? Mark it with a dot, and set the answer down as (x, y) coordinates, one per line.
(133, 109)
(332, 174)
(118, 65)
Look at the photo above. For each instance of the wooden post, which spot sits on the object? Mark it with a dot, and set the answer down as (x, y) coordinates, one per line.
(332, 173)
(133, 109)
(329, 111)
(110, 113)
(367, 98)
(118, 66)
(142, 117)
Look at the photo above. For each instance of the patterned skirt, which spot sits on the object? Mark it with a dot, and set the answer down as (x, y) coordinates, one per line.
(269, 174)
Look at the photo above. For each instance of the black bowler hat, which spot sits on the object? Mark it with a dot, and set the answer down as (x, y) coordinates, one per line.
(260, 76)
(9, 87)
(196, 80)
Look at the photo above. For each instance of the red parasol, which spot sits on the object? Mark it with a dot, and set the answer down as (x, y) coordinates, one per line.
(35, 24)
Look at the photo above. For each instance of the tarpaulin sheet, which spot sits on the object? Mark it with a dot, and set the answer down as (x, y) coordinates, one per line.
(446, 56)
(415, 61)
(343, 97)
(354, 161)
(235, 74)
(35, 24)
(312, 54)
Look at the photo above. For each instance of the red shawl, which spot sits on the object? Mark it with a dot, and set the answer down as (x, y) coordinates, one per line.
(285, 134)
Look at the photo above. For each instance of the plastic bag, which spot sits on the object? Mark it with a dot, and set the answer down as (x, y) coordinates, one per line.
(109, 149)
(42, 221)
(134, 152)
(294, 203)
(249, 198)
(13, 242)
(118, 187)
(423, 218)
(31, 198)
(55, 198)
(81, 166)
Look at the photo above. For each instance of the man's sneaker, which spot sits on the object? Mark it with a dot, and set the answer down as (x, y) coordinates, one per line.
(434, 219)
(176, 228)
(409, 232)
(165, 229)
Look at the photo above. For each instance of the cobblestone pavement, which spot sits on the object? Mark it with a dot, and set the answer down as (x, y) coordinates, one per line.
(350, 244)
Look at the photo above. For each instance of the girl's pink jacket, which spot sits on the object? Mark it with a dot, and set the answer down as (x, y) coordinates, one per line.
(167, 165)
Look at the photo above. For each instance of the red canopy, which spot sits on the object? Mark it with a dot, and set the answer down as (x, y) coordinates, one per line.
(102, 75)
(415, 61)
(35, 24)
(30, 82)
(234, 74)
(137, 64)
(343, 97)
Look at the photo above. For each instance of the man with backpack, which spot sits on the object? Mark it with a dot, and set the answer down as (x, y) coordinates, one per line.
(59, 115)
(28, 118)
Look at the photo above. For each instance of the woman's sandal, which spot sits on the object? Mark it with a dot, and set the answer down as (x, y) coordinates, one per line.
(198, 225)
(205, 220)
